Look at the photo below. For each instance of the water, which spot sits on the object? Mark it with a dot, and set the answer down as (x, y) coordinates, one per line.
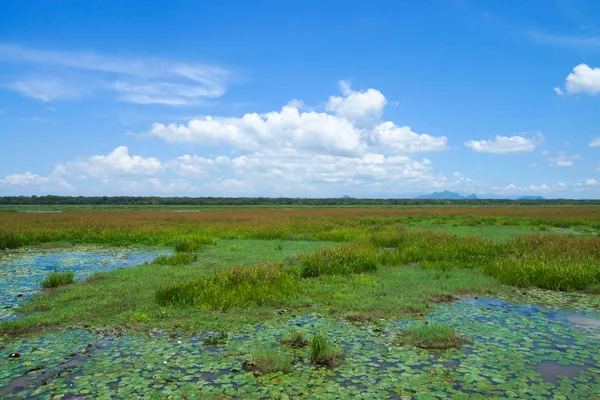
(514, 350)
(22, 271)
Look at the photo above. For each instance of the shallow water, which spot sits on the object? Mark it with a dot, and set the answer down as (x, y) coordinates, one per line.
(514, 350)
(22, 271)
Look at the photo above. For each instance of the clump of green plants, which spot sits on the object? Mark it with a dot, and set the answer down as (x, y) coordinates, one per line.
(56, 279)
(294, 339)
(193, 244)
(215, 338)
(268, 361)
(177, 259)
(264, 284)
(323, 352)
(351, 258)
(431, 336)
(10, 240)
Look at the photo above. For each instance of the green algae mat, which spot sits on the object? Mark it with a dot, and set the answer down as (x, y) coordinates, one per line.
(511, 349)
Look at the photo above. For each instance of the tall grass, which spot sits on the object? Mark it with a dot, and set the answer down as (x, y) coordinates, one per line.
(323, 352)
(537, 260)
(192, 244)
(267, 361)
(351, 258)
(56, 279)
(264, 284)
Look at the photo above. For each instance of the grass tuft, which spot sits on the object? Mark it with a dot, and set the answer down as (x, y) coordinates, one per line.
(351, 258)
(268, 361)
(56, 279)
(323, 352)
(193, 244)
(266, 284)
(431, 336)
(294, 339)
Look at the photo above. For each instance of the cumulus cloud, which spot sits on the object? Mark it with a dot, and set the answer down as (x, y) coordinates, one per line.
(28, 179)
(351, 127)
(357, 106)
(505, 144)
(583, 79)
(595, 142)
(558, 91)
(135, 80)
(118, 162)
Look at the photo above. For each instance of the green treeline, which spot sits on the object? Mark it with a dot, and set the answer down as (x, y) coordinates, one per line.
(266, 201)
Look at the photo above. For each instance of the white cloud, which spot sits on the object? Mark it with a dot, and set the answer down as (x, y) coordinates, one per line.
(118, 162)
(28, 179)
(136, 80)
(563, 161)
(47, 89)
(505, 144)
(583, 79)
(357, 106)
(558, 91)
(352, 131)
(402, 138)
(595, 142)
(591, 182)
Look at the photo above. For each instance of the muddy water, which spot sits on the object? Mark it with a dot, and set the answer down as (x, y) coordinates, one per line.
(517, 350)
(22, 271)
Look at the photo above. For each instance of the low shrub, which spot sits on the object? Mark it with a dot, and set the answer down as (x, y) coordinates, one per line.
(268, 361)
(323, 352)
(351, 258)
(431, 336)
(264, 284)
(56, 279)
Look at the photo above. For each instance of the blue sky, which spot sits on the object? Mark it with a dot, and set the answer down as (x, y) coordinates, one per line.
(300, 99)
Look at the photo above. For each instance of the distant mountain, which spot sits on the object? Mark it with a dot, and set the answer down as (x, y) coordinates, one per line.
(531, 198)
(446, 195)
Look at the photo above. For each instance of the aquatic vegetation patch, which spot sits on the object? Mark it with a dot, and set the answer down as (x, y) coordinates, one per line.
(323, 352)
(294, 339)
(56, 279)
(347, 259)
(431, 336)
(268, 361)
(22, 270)
(265, 284)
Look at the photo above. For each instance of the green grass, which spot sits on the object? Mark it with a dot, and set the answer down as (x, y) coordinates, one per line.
(294, 339)
(193, 244)
(267, 284)
(56, 279)
(118, 298)
(351, 258)
(176, 259)
(269, 361)
(323, 352)
(431, 336)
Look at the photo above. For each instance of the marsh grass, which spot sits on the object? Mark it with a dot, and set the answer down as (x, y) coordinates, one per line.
(265, 284)
(323, 352)
(56, 279)
(193, 244)
(546, 261)
(347, 259)
(294, 339)
(431, 336)
(268, 361)
(178, 258)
